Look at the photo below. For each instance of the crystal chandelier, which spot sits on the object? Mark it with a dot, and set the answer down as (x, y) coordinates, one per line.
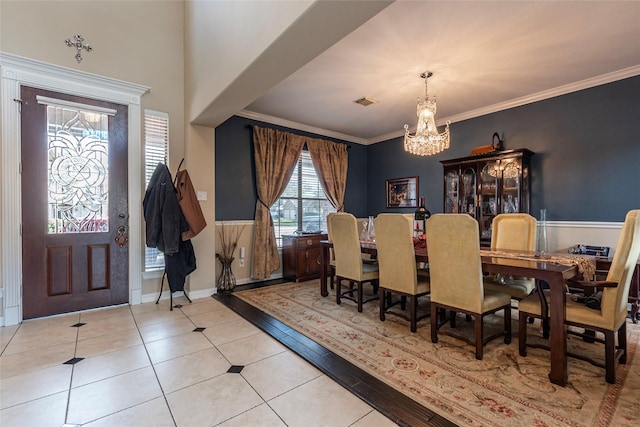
(427, 140)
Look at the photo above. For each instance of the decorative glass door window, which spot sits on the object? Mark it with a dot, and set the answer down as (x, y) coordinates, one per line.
(77, 165)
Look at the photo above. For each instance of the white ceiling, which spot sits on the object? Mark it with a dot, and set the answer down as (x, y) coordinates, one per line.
(485, 56)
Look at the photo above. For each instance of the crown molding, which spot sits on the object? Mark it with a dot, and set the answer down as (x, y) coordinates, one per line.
(545, 94)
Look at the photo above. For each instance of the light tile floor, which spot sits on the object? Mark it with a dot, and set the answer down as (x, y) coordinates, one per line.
(145, 365)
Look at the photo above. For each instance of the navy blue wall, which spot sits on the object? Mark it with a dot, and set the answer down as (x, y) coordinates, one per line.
(236, 192)
(586, 165)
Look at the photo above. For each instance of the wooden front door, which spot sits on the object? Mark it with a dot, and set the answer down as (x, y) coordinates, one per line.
(74, 203)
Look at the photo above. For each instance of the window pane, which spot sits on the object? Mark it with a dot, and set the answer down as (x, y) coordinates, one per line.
(303, 205)
(78, 162)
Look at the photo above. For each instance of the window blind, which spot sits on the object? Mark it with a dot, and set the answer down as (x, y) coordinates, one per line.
(156, 142)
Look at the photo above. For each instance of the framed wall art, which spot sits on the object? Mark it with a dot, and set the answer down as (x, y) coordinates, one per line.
(402, 192)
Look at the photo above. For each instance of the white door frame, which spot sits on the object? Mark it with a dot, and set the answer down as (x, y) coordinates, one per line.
(17, 71)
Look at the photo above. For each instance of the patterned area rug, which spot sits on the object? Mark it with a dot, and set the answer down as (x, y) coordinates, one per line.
(503, 389)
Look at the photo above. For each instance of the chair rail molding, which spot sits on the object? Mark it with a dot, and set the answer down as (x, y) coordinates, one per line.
(16, 71)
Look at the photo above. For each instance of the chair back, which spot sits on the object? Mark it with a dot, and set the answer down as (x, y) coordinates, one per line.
(330, 233)
(454, 261)
(514, 231)
(614, 300)
(346, 245)
(396, 255)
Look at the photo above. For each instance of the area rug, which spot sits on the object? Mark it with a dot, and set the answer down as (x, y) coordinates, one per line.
(503, 389)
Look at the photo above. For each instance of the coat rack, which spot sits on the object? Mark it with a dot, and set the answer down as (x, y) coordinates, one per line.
(164, 273)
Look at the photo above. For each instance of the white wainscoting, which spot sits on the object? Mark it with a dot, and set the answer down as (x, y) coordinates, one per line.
(562, 235)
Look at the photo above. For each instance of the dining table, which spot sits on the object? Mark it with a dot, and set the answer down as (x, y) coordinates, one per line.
(524, 264)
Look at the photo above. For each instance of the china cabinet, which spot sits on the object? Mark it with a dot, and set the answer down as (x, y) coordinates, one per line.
(486, 185)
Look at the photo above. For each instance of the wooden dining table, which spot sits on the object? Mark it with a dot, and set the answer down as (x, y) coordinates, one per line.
(554, 274)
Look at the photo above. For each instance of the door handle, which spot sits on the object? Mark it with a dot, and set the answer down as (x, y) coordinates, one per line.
(121, 238)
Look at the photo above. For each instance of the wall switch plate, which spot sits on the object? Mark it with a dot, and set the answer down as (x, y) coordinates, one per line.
(202, 195)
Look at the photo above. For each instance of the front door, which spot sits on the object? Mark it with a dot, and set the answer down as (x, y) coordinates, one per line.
(74, 203)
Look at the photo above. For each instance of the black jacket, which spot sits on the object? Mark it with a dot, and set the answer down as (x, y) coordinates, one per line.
(162, 212)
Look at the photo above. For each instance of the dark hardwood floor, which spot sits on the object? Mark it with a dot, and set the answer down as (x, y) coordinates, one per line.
(399, 408)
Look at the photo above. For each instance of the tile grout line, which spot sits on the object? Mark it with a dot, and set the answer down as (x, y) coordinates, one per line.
(73, 367)
(155, 373)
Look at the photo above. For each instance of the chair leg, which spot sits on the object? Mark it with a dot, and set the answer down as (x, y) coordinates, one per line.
(507, 324)
(522, 334)
(434, 323)
(383, 308)
(359, 299)
(338, 289)
(452, 318)
(479, 336)
(413, 309)
(622, 342)
(545, 327)
(610, 356)
(332, 277)
(403, 302)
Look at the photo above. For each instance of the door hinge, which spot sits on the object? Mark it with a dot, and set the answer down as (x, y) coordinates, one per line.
(20, 168)
(20, 102)
(20, 229)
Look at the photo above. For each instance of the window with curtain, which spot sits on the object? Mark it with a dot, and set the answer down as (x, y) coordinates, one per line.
(156, 142)
(303, 205)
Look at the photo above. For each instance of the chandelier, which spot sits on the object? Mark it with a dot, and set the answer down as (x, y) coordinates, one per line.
(427, 140)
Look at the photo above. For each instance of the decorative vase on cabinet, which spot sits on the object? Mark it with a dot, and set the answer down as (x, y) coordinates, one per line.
(501, 185)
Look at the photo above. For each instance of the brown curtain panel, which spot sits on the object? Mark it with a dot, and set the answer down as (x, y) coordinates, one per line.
(330, 161)
(276, 154)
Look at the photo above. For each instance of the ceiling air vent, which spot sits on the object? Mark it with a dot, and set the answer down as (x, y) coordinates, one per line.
(364, 101)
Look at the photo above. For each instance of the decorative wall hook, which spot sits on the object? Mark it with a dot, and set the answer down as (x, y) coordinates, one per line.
(77, 42)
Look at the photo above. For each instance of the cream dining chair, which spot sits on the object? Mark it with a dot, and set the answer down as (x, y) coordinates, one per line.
(332, 259)
(515, 231)
(611, 318)
(397, 264)
(348, 260)
(456, 278)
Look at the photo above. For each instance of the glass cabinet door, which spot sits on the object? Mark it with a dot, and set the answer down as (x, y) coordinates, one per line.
(451, 181)
(489, 202)
(511, 197)
(468, 190)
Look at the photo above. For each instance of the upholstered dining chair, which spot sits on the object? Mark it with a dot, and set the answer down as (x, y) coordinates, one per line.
(514, 231)
(611, 318)
(397, 265)
(348, 259)
(456, 279)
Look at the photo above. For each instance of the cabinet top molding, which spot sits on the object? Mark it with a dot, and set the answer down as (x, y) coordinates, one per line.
(524, 152)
